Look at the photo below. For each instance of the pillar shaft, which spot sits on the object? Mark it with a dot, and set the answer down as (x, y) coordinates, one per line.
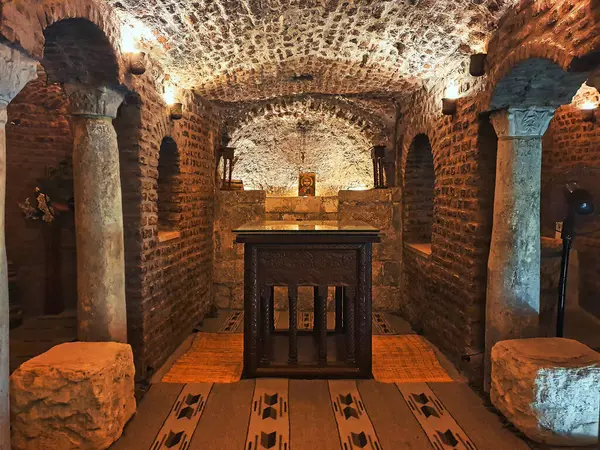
(101, 309)
(15, 71)
(513, 285)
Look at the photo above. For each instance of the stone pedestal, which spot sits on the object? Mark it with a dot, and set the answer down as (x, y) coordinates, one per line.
(513, 286)
(101, 309)
(548, 388)
(15, 71)
(77, 395)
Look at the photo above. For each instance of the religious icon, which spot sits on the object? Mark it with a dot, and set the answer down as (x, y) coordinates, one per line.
(307, 184)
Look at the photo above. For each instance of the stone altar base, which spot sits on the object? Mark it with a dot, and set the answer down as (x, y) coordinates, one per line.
(77, 395)
(548, 388)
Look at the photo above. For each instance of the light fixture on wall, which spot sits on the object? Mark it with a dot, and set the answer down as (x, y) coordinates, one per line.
(176, 111)
(170, 97)
(132, 34)
(377, 155)
(588, 111)
(477, 64)
(137, 62)
(450, 99)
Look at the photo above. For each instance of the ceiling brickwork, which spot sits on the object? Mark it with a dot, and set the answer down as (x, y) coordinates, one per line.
(244, 50)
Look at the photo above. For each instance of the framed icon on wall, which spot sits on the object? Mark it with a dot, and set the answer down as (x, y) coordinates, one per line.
(307, 183)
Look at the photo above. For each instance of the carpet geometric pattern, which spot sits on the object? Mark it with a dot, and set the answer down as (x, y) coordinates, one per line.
(180, 424)
(353, 423)
(406, 359)
(212, 358)
(442, 430)
(269, 426)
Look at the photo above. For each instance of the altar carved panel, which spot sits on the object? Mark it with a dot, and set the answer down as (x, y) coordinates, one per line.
(333, 265)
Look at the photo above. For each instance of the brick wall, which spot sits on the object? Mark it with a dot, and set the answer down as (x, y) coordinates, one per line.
(168, 280)
(445, 292)
(419, 181)
(38, 137)
(381, 208)
(233, 209)
(570, 142)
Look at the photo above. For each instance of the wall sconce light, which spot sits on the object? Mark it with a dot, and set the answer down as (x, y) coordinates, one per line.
(137, 63)
(378, 154)
(450, 99)
(477, 65)
(588, 112)
(176, 111)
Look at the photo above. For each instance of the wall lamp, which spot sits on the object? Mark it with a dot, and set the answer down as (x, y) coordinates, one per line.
(477, 65)
(588, 112)
(450, 99)
(176, 111)
(137, 63)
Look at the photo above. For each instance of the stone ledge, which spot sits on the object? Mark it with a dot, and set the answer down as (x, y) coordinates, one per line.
(423, 249)
(164, 236)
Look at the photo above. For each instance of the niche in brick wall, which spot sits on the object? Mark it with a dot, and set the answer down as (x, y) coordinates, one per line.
(418, 194)
(168, 207)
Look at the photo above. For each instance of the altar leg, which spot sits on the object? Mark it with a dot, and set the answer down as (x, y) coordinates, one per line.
(339, 302)
(293, 324)
(349, 323)
(321, 322)
(267, 324)
(251, 312)
(363, 319)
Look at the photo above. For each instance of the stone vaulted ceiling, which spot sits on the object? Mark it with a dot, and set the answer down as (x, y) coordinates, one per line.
(243, 50)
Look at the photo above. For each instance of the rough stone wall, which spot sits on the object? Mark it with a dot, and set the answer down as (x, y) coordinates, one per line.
(570, 142)
(381, 208)
(464, 162)
(250, 50)
(301, 208)
(232, 209)
(270, 149)
(38, 137)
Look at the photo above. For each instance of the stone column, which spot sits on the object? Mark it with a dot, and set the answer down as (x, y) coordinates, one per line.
(101, 313)
(15, 71)
(513, 285)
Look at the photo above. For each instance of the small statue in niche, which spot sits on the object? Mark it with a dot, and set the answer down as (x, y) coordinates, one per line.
(307, 184)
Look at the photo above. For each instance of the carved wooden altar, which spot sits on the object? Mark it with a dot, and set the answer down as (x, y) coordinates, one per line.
(317, 254)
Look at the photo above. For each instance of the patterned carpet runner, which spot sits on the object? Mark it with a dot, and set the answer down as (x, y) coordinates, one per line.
(212, 358)
(270, 410)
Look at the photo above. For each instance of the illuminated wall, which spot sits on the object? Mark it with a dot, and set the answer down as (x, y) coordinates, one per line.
(269, 153)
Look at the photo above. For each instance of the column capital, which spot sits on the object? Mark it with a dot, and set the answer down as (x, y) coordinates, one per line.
(100, 101)
(522, 122)
(16, 70)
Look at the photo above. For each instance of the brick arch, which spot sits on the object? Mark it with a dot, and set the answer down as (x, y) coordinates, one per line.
(371, 126)
(550, 55)
(418, 191)
(76, 50)
(24, 26)
(168, 172)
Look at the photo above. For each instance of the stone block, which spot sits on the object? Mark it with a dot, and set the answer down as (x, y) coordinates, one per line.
(330, 204)
(367, 196)
(548, 388)
(77, 395)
